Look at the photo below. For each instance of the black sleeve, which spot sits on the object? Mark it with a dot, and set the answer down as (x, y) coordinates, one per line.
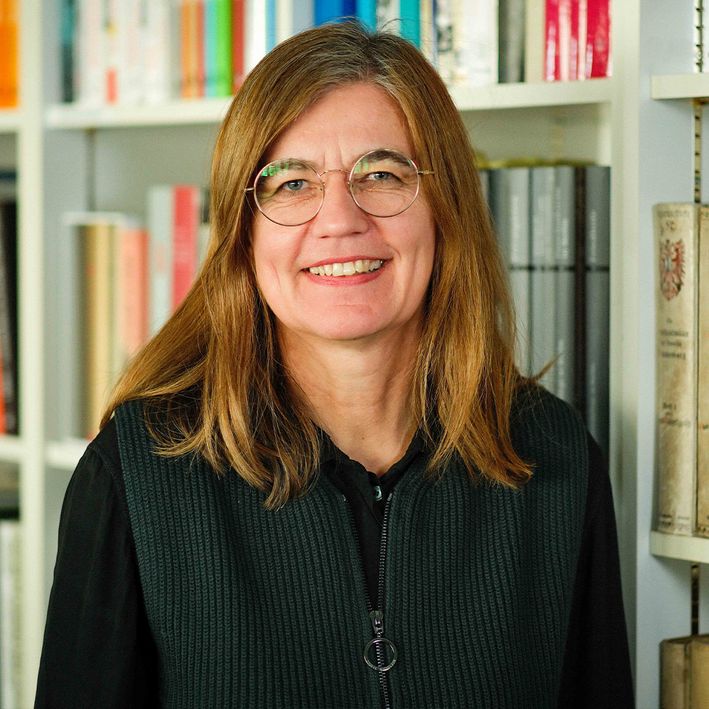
(596, 672)
(98, 651)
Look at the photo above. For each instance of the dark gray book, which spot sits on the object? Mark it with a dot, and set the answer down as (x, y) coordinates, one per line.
(597, 259)
(511, 28)
(543, 281)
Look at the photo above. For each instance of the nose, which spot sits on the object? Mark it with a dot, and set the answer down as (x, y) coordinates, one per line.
(339, 215)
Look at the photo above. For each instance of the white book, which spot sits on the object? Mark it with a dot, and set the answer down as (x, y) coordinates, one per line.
(292, 16)
(388, 15)
(92, 57)
(428, 31)
(160, 226)
(475, 42)
(255, 36)
(160, 33)
(445, 52)
(534, 41)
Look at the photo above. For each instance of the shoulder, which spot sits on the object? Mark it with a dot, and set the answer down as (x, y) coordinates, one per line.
(540, 418)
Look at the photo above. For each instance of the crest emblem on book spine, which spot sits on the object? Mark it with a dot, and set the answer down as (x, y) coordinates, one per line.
(671, 267)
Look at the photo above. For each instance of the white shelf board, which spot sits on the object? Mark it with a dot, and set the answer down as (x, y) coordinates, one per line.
(11, 449)
(680, 86)
(10, 120)
(65, 454)
(70, 116)
(546, 93)
(674, 546)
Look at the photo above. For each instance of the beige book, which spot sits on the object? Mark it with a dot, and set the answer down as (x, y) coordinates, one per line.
(97, 326)
(675, 237)
(699, 672)
(703, 380)
(674, 673)
(534, 41)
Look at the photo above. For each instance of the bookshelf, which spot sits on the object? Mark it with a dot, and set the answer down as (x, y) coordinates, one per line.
(70, 158)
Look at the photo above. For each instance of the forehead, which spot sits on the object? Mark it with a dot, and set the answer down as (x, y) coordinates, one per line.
(342, 125)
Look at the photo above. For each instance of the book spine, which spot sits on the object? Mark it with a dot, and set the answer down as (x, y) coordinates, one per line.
(445, 49)
(98, 310)
(68, 49)
(199, 48)
(160, 220)
(563, 51)
(92, 56)
(10, 613)
(159, 23)
(703, 376)
(238, 28)
(367, 13)
(674, 673)
(185, 233)
(270, 24)
(552, 68)
(564, 243)
(255, 33)
(224, 51)
(475, 42)
(428, 31)
(410, 13)
(582, 38)
(598, 57)
(699, 672)
(534, 41)
(209, 47)
(8, 53)
(597, 299)
(675, 237)
(511, 41)
(543, 318)
(8, 314)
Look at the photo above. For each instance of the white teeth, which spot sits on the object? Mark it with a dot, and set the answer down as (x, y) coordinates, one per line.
(347, 268)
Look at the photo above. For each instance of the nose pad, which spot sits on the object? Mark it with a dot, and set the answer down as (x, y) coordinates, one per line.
(338, 206)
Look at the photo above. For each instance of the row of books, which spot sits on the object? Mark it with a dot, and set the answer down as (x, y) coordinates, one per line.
(684, 664)
(131, 279)
(553, 222)
(681, 238)
(134, 51)
(8, 53)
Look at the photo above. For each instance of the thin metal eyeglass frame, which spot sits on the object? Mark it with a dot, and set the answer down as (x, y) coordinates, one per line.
(349, 185)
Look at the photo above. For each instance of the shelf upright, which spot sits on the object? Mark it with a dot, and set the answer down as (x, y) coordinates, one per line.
(30, 280)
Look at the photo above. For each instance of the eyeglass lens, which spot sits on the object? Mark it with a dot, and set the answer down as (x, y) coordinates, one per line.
(382, 183)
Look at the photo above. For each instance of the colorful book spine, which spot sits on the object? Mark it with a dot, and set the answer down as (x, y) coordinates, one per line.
(9, 44)
(209, 47)
(367, 12)
(186, 211)
(598, 39)
(238, 30)
(411, 20)
(223, 54)
(328, 10)
(69, 46)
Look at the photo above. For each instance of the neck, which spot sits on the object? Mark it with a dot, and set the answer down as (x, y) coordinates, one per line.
(359, 393)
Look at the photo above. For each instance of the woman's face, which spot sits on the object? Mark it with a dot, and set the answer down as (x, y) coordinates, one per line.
(332, 134)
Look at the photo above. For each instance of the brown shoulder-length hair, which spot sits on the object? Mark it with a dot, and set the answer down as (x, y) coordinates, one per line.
(214, 371)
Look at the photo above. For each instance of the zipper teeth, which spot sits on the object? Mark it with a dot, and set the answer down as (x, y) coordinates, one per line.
(383, 683)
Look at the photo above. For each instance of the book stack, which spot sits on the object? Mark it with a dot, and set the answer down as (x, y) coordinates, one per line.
(9, 31)
(553, 224)
(684, 674)
(131, 280)
(681, 237)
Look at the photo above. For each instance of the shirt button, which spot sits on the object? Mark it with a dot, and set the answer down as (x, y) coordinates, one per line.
(377, 493)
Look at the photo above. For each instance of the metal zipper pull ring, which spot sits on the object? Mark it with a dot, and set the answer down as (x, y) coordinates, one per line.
(382, 643)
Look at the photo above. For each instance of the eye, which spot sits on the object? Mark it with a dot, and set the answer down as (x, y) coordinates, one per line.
(381, 176)
(294, 185)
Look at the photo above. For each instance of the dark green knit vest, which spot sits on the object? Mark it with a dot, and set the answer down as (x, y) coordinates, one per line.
(255, 608)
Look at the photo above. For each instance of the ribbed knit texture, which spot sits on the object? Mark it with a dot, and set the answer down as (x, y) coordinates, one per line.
(253, 608)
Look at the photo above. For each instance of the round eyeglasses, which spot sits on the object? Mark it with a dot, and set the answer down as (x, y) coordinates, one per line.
(383, 183)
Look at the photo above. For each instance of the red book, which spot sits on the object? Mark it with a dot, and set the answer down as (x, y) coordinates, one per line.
(598, 39)
(552, 67)
(132, 289)
(185, 240)
(238, 20)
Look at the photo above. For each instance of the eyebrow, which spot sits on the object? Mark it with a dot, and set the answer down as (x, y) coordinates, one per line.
(374, 154)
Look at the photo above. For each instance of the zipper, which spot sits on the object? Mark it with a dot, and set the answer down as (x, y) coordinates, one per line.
(376, 615)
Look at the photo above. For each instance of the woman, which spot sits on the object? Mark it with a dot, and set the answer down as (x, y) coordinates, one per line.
(324, 483)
